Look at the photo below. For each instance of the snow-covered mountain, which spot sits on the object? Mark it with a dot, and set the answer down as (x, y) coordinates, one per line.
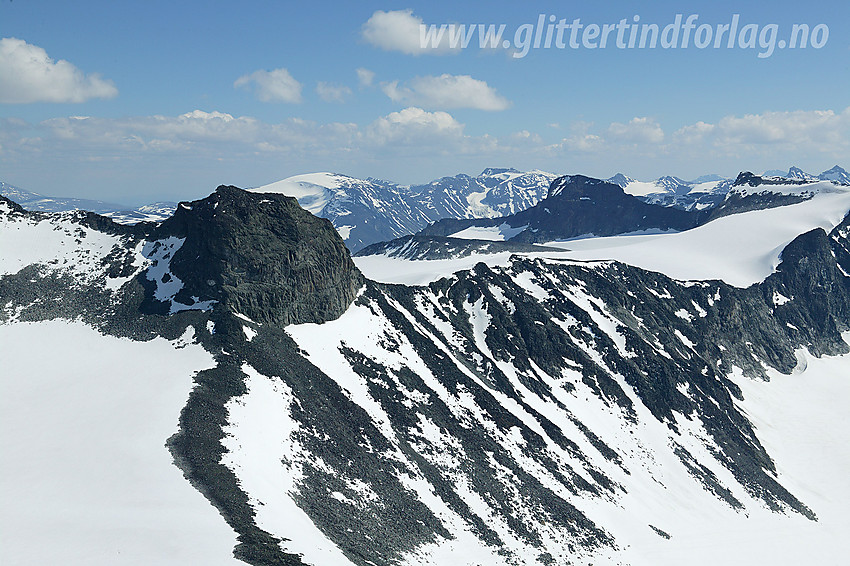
(35, 201)
(156, 212)
(362, 211)
(702, 193)
(798, 174)
(495, 192)
(582, 406)
(753, 192)
(710, 191)
(575, 206)
(582, 207)
(372, 210)
(836, 174)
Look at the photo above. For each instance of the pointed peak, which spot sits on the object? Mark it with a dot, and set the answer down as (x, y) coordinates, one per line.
(620, 180)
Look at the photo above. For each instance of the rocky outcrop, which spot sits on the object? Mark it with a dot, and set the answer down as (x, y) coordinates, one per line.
(263, 256)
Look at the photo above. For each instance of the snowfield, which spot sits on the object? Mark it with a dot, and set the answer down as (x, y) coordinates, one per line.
(85, 476)
(740, 249)
(313, 190)
(498, 233)
(58, 243)
(801, 419)
(803, 422)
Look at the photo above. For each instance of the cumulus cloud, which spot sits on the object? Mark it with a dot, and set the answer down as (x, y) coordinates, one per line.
(365, 77)
(332, 93)
(800, 127)
(215, 133)
(211, 147)
(637, 130)
(413, 122)
(28, 74)
(399, 30)
(693, 133)
(584, 142)
(446, 92)
(272, 86)
(808, 130)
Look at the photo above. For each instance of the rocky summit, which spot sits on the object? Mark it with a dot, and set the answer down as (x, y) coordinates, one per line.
(261, 255)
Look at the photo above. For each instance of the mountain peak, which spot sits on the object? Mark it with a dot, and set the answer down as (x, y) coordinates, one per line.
(261, 255)
(751, 179)
(837, 175)
(797, 173)
(710, 178)
(575, 185)
(620, 180)
(673, 184)
(491, 171)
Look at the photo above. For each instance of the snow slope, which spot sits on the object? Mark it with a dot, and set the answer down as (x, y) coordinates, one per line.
(642, 188)
(84, 419)
(498, 233)
(740, 249)
(313, 190)
(802, 421)
(255, 456)
(57, 242)
(800, 418)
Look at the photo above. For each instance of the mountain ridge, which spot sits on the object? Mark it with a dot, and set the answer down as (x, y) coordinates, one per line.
(495, 411)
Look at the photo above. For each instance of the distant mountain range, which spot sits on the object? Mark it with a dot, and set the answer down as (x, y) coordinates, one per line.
(368, 211)
(709, 191)
(156, 212)
(580, 207)
(373, 210)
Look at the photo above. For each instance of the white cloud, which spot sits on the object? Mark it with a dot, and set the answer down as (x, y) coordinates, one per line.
(28, 74)
(693, 133)
(800, 127)
(203, 148)
(584, 142)
(272, 86)
(637, 130)
(365, 77)
(399, 30)
(446, 91)
(332, 93)
(414, 121)
(802, 130)
(422, 136)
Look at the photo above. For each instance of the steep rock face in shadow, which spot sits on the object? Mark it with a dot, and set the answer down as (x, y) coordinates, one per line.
(263, 256)
(575, 206)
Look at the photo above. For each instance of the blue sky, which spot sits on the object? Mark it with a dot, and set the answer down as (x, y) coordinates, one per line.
(180, 97)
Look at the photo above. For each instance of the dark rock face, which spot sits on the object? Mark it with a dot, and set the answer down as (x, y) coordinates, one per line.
(11, 205)
(263, 256)
(579, 205)
(754, 192)
(752, 180)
